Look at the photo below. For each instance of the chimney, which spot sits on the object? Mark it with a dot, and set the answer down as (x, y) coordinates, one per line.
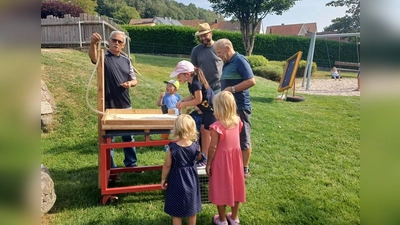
(283, 24)
(216, 21)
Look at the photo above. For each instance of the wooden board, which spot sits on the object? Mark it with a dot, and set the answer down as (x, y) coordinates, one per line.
(137, 119)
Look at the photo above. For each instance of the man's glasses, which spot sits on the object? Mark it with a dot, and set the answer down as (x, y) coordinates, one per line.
(117, 41)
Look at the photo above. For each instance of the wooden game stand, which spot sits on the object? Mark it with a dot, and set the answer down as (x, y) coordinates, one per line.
(118, 122)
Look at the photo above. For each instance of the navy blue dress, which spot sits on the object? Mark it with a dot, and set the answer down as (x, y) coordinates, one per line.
(183, 191)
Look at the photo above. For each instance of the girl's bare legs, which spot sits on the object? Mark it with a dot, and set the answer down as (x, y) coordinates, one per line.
(192, 220)
(235, 211)
(221, 212)
(176, 221)
(205, 140)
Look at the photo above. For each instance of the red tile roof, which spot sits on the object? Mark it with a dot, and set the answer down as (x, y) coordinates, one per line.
(292, 29)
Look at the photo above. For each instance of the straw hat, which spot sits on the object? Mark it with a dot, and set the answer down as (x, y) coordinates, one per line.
(204, 28)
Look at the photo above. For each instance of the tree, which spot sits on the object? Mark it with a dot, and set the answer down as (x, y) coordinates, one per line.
(117, 9)
(250, 14)
(349, 23)
(87, 5)
(59, 9)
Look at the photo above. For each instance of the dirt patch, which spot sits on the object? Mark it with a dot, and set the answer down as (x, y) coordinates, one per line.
(344, 87)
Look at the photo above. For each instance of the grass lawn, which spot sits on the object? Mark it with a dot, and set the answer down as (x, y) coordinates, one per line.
(305, 164)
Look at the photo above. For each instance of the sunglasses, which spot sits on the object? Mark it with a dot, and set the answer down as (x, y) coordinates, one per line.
(117, 41)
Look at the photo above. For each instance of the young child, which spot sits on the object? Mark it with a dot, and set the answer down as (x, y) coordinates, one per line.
(201, 96)
(170, 97)
(179, 174)
(168, 100)
(335, 74)
(225, 164)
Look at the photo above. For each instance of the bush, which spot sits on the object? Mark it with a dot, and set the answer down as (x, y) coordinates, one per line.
(270, 72)
(302, 66)
(257, 61)
(59, 9)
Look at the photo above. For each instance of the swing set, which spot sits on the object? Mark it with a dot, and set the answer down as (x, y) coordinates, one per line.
(343, 65)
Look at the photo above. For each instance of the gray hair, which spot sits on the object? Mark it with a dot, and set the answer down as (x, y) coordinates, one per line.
(117, 32)
(224, 42)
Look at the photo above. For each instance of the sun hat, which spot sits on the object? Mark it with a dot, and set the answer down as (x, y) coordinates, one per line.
(182, 67)
(204, 28)
(173, 82)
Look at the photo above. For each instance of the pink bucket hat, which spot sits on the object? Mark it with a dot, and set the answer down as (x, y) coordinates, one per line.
(182, 67)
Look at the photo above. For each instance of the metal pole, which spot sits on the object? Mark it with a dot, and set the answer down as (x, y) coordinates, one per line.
(308, 59)
(313, 38)
(80, 33)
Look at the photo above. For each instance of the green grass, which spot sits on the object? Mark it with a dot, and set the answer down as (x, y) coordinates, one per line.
(305, 164)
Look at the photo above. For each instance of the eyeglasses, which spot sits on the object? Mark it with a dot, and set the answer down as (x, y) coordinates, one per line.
(116, 40)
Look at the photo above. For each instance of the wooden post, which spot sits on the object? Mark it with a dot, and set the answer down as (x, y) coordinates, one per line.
(100, 107)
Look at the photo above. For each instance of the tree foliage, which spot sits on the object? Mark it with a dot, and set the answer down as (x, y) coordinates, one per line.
(88, 6)
(351, 21)
(59, 9)
(250, 14)
(118, 10)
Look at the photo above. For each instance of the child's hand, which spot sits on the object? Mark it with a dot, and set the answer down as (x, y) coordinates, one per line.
(162, 94)
(208, 170)
(164, 184)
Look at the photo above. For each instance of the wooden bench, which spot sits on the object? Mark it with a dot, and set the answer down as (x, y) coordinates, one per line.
(347, 64)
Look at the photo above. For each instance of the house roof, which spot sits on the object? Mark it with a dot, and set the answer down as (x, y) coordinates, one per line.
(219, 25)
(291, 29)
(142, 22)
(167, 21)
(191, 23)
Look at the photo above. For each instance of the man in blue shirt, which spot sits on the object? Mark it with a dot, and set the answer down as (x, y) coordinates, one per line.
(237, 77)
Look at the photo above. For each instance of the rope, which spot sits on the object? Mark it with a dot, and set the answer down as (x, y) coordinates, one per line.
(327, 51)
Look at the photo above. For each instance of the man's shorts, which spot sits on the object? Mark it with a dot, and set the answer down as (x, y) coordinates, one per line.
(245, 142)
(208, 119)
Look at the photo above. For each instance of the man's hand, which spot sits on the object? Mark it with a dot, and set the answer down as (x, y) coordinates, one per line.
(96, 37)
(126, 84)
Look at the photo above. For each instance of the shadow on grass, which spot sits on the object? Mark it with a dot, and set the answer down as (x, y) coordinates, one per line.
(161, 220)
(262, 99)
(89, 147)
(78, 188)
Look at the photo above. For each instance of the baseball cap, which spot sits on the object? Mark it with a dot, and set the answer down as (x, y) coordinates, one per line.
(173, 82)
(182, 67)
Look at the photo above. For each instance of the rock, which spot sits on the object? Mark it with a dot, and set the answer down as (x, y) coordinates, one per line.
(48, 194)
(47, 106)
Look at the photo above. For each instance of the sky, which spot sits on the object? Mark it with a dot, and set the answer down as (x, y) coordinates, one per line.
(304, 11)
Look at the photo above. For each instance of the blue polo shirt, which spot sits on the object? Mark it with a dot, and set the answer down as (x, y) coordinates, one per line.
(235, 71)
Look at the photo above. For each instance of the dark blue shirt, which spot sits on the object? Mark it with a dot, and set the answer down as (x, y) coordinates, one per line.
(208, 94)
(235, 71)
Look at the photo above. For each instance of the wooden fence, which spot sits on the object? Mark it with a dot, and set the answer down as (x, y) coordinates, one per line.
(75, 32)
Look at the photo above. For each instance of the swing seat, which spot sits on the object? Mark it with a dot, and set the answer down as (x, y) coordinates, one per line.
(348, 64)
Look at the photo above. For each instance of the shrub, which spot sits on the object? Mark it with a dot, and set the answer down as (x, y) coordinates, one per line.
(59, 9)
(270, 72)
(302, 66)
(257, 60)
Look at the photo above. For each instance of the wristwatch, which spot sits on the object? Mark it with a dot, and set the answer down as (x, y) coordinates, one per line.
(233, 89)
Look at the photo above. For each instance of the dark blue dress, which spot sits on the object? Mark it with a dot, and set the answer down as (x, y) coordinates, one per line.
(183, 191)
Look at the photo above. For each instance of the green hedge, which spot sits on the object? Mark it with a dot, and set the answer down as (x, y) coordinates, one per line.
(270, 72)
(257, 60)
(302, 67)
(166, 39)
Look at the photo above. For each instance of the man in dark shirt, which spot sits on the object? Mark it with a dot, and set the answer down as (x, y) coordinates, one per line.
(118, 78)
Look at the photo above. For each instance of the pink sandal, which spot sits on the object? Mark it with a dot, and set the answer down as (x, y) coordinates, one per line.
(232, 221)
(216, 221)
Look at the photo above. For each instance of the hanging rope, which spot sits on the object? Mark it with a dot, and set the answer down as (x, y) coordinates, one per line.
(358, 55)
(327, 51)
